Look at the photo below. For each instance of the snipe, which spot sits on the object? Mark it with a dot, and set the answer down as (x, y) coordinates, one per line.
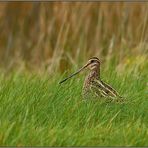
(93, 86)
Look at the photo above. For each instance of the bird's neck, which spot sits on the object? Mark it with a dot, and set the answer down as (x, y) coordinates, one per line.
(95, 73)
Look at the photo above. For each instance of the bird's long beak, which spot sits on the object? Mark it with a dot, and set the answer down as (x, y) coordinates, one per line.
(74, 73)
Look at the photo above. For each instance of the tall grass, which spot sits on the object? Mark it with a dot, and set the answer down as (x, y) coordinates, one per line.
(37, 111)
(47, 35)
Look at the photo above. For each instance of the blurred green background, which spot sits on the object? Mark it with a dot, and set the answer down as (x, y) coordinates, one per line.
(55, 36)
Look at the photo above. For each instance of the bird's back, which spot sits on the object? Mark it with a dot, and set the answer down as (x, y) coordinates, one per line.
(94, 87)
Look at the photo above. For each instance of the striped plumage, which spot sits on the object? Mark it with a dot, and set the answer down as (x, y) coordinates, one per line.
(93, 86)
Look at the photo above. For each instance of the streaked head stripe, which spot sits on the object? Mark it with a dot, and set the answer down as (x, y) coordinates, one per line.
(94, 58)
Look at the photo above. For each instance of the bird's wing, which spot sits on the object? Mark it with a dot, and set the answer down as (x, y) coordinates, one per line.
(97, 89)
(101, 89)
(112, 90)
(106, 89)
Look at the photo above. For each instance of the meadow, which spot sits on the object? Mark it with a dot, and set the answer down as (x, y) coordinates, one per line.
(37, 111)
(44, 43)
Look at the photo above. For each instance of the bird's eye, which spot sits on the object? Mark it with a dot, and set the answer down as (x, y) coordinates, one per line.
(92, 61)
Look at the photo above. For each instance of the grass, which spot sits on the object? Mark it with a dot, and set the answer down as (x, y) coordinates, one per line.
(37, 111)
(36, 35)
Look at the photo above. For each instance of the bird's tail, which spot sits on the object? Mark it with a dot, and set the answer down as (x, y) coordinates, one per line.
(121, 100)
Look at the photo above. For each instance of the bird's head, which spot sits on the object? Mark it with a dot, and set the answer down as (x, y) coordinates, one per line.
(93, 64)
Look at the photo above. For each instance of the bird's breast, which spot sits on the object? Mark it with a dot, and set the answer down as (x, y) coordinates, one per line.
(87, 84)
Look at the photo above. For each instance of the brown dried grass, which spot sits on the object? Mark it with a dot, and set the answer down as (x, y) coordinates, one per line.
(55, 35)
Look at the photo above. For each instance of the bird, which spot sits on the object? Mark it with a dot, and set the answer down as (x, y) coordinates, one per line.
(94, 87)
